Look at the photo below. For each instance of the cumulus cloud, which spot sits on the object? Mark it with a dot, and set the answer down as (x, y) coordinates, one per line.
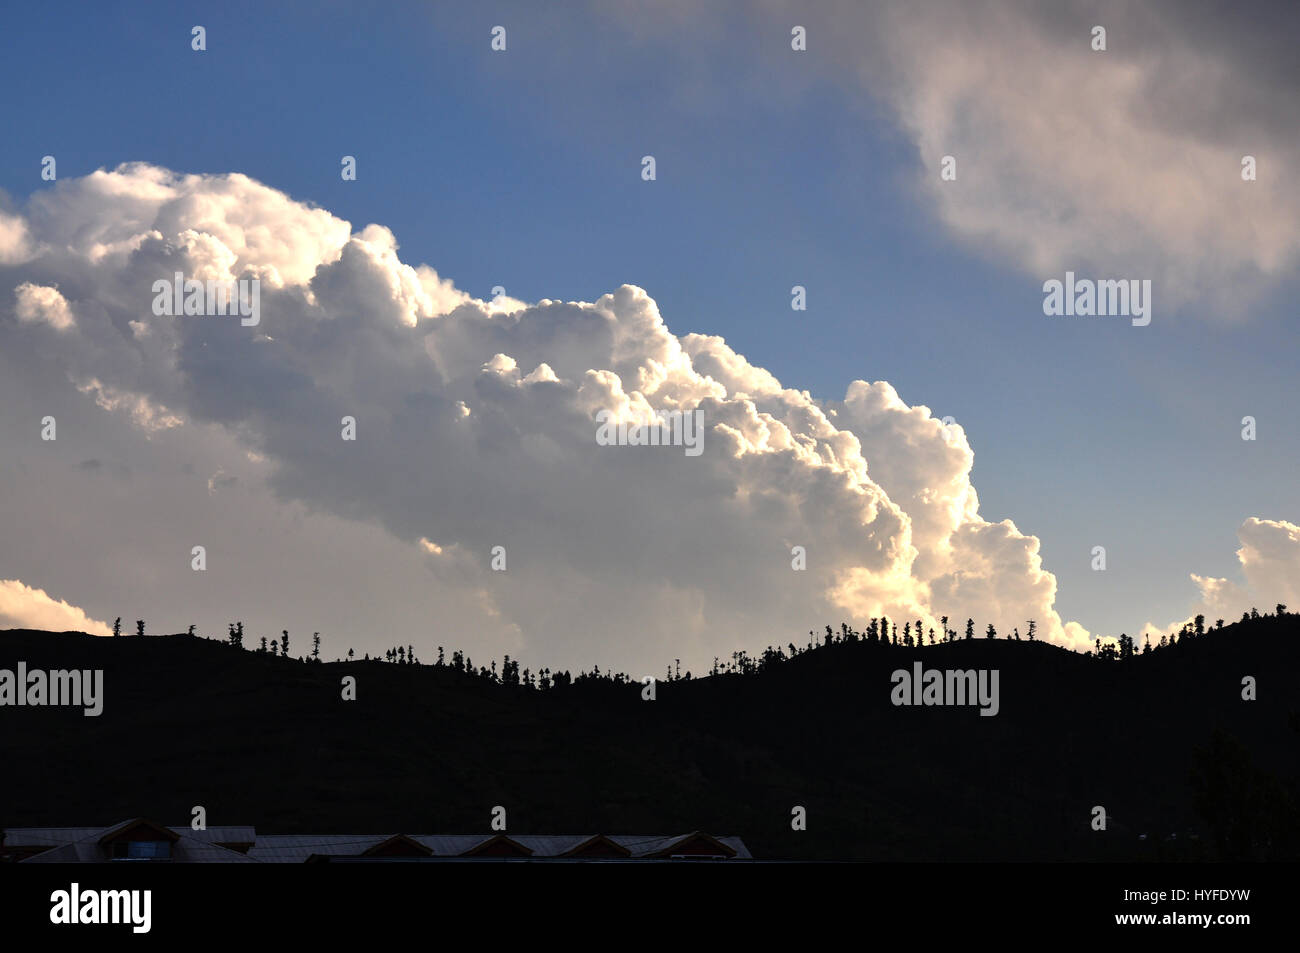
(15, 244)
(1270, 559)
(23, 607)
(475, 428)
(1270, 567)
(34, 303)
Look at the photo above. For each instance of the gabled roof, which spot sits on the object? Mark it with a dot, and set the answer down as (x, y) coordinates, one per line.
(94, 845)
(597, 846)
(696, 843)
(498, 846)
(124, 830)
(399, 845)
(297, 848)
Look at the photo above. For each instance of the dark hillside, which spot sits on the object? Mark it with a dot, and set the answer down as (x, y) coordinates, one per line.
(268, 741)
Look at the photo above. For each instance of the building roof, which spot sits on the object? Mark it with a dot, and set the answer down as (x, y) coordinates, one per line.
(94, 845)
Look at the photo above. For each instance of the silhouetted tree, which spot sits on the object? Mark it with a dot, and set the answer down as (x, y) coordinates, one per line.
(139, 626)
(263, 648)
(191, 628)
(990, 632)
(117, 626)
(1200, 626)
(1249, 811)
(1033, 628)
(315, 646)
(970, 628)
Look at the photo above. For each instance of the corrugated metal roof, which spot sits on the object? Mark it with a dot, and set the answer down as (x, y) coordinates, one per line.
(88, 850)
(46, 836)
(81, 844)
(222, 835)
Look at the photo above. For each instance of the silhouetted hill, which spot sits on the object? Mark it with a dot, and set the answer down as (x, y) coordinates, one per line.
(266, 740)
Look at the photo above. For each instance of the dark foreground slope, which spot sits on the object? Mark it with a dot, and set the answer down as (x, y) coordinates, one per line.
(268, 741)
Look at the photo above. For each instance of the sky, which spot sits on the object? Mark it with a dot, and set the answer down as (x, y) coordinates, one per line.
(522, 169)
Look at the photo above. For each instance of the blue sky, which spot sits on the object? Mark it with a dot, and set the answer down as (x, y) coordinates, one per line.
(774, 169)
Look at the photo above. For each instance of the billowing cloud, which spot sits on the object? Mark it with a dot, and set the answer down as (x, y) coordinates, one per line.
(1122, 163)
(34, 303)
(15, 244)
(1270, 567)
(23, 607)
(475, 428)
(1270, 559)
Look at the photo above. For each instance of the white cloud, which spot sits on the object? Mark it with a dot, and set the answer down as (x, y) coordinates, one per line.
(476, 428)
(1126, 162)
(23, 607)
(147, 415)
(1122, 164)
(15, 244)
(1270, 566)
(36, 303)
